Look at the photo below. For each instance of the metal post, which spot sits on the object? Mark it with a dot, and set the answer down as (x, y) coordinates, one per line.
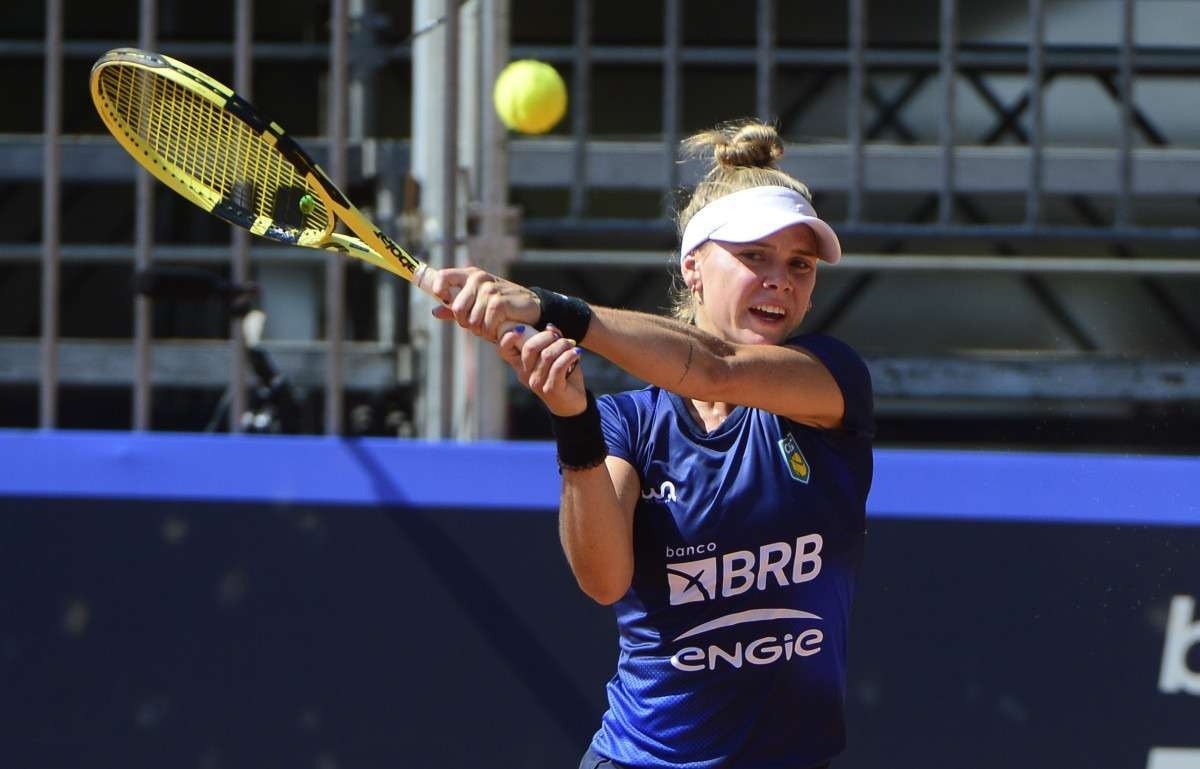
(448, 208)
(335, 266)
(464, 414)
(1125, 171)
(243, 34)
(672, 85)
(856, 96)
(489, 417)
(580, 97)
(144, 243)
(51, 183)
(949, 73)
(428, 335)
(493, 165)
(360, 93)
(1037, 139)
(764, 72)
(485, 384)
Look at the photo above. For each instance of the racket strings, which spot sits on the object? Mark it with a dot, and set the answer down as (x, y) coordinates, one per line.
(218, 155)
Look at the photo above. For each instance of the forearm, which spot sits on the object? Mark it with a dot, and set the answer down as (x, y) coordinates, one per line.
(662, 351)
(596, 534)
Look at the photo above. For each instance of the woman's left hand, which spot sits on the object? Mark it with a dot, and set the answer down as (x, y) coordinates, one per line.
(548, 365)
(483, 303)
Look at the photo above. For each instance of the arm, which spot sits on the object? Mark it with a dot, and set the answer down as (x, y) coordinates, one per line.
(595, 526)
(681, 358)
(675, 356)
(596, 506)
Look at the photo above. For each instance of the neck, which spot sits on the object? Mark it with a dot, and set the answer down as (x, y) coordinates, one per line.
(709, 414)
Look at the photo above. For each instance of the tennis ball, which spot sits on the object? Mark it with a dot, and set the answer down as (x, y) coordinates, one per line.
(307, 204)
(530, 96)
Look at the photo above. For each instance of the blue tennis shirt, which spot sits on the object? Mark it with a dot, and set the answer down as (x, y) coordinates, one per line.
(747, 543)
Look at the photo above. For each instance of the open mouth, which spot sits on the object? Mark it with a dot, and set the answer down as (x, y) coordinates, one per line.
(769, 313)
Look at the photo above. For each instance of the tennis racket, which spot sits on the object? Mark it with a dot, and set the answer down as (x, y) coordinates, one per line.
(214, 148)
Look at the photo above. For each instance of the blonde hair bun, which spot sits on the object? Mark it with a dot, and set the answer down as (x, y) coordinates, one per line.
(739, 145)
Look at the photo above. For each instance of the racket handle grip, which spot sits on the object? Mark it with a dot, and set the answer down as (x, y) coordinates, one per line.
(419, 279)
(509, 326)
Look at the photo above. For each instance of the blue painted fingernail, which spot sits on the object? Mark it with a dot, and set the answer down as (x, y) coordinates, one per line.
(579, 351)
(519, 329)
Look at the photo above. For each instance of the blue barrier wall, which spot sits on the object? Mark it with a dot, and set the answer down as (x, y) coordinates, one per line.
(234, 602)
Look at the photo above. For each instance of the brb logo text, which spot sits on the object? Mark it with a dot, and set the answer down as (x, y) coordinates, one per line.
(777, 564)
(781, 563)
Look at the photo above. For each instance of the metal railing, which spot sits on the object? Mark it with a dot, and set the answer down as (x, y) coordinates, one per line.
(858, 164)
(945, 172)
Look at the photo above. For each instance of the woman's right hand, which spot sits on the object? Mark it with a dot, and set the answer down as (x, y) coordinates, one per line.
(548, 365)
(480, 302)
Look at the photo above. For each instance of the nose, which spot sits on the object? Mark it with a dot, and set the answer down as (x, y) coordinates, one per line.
(777, 279)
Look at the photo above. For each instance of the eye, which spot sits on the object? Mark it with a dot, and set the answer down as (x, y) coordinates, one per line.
(751, 255)
(802, 265)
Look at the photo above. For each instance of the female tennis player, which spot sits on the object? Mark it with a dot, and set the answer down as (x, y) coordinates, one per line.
(721, 510)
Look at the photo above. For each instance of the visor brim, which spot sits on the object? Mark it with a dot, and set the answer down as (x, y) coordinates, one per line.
(766, 224)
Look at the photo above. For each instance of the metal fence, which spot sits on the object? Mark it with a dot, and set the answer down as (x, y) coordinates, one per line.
(1099, 200)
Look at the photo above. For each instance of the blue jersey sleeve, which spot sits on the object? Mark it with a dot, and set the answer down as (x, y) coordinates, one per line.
(850, 372)
(619, 423)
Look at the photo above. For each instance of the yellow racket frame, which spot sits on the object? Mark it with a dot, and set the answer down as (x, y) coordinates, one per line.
(202, 140)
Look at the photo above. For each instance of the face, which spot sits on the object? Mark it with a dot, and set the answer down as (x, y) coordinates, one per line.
(754, 293)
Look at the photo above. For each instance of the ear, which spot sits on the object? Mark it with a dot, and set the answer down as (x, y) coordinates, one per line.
(690, 268)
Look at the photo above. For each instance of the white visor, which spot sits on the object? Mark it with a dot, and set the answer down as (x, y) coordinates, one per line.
(755, 213)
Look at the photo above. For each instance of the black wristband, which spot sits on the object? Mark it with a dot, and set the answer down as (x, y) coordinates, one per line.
(580, 441)
(570, 315)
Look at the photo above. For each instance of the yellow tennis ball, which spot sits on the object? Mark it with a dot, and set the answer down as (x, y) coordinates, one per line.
(530, 96)
(307, 204)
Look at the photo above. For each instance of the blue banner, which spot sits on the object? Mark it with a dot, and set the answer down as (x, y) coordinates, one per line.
(185, 600)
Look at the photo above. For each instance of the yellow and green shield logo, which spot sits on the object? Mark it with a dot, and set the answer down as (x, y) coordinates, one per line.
(794, 458)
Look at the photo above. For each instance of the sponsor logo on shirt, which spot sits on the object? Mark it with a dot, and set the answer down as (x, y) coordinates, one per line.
(776, 564)
(729, 574)
(664, 493)
(797, 464)
(764, 650)
(692, 581)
